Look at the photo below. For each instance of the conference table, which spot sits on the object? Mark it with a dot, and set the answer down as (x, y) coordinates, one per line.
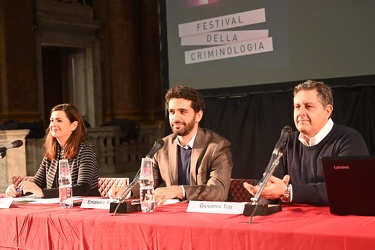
(47, 226)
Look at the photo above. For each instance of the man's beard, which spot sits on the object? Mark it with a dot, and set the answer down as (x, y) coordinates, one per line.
(185, 130)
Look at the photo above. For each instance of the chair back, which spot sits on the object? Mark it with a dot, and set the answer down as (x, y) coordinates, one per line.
(105, 184)
(237, 192)
(19, 178)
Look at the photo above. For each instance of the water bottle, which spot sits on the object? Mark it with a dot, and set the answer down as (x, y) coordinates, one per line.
(146, 183)
(65, 185)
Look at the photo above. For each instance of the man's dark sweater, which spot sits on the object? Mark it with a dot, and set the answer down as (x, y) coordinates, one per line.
(304, 166)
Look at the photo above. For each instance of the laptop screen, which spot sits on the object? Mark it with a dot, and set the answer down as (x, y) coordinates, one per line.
(350, 181)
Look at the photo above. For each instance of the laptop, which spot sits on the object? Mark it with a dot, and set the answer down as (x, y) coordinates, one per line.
(350, 183)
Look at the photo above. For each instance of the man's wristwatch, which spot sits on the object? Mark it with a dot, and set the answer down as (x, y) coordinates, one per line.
(286, 195)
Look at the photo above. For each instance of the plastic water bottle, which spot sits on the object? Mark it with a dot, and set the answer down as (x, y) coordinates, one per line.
(146, 182)
(65, 185)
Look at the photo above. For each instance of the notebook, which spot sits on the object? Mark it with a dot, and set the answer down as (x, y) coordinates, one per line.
(350, 183)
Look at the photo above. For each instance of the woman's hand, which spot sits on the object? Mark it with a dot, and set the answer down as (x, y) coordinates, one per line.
(13, 191)
(31, 187)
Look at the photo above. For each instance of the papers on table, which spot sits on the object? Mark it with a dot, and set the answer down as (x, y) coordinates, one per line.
(36, 200)
(5, 202)
(32, 199)
(87, 202)
(171, 201)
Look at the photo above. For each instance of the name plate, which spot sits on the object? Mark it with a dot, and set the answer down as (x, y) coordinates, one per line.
(216, 207)
(5, 202)
(96, 203)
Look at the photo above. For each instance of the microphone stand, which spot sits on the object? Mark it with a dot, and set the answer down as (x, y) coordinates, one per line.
(123, 206)
(266, 178)
(255, 208)
(122, 197)
(3, 152)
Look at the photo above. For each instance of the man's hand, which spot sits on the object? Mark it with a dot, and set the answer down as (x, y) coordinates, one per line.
(273, 190)
(161, 195)
(115, 191)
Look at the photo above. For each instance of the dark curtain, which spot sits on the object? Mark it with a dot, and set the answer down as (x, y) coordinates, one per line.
(253, 122)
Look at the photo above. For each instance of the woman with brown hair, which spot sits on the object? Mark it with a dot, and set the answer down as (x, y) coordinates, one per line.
(65, 140)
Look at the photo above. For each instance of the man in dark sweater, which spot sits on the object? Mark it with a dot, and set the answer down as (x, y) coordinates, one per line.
(299, 177)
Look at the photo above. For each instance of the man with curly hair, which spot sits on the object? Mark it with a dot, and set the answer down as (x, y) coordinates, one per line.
(194, 163)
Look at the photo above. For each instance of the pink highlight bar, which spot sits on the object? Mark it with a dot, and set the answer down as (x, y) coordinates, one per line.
(194, 3)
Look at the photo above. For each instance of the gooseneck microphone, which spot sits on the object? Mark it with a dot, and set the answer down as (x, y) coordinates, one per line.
(157, 146)
(280, 144)
(15, 144)
(279, 148)
(274, 162)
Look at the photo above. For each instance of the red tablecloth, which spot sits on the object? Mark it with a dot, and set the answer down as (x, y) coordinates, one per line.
(171, 227)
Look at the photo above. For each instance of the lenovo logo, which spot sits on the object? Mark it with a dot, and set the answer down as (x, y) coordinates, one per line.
(340, 167)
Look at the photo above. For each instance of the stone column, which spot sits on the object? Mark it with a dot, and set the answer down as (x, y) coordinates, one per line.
(14, 163)
(131, 49)
(149, 54)
(18, 89)
(121, 63)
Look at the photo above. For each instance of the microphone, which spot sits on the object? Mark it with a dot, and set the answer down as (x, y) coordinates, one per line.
(157, 146)
(251, 209)
(280, 144)
(15, 144)
(279, 147)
